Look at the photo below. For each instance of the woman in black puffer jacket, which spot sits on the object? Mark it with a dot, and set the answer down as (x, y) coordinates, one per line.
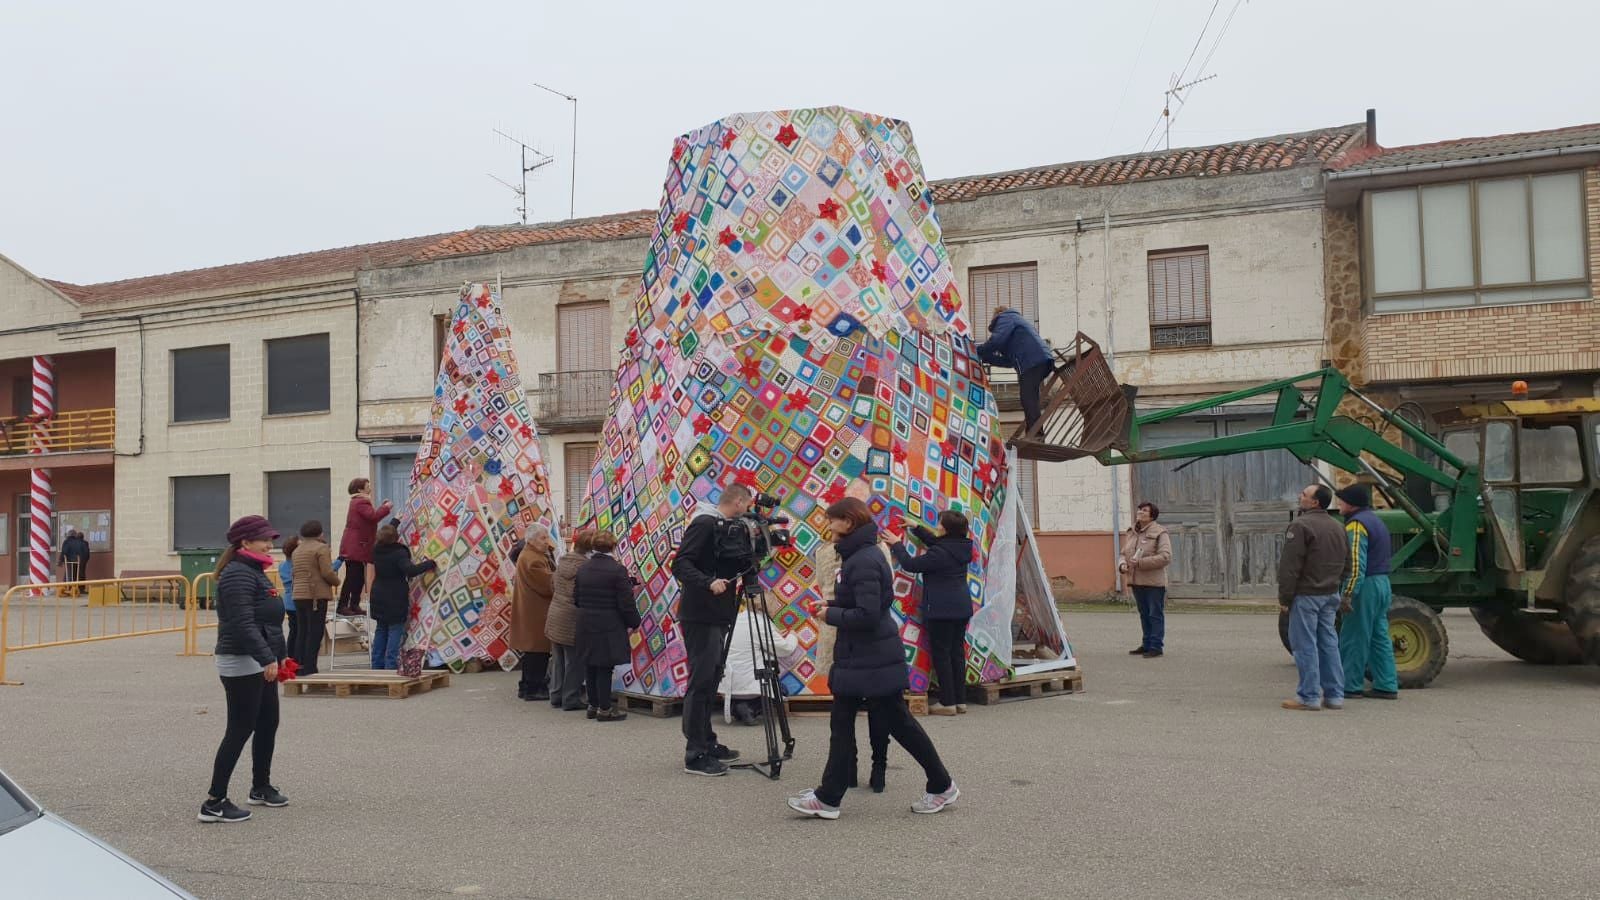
(249, 648)
(869, 668)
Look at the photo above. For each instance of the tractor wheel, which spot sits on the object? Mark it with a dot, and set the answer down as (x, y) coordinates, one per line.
(1283, 628)
(1583, 599)
(1420, 642)
(1541, 641)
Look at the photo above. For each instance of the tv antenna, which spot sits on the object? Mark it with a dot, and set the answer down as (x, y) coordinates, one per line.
(540, 160)
(1175, 92)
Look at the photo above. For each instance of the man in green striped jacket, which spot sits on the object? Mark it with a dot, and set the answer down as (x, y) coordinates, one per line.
(1364, 643)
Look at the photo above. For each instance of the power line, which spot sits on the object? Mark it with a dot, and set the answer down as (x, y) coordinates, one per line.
(1202, 36)
(1133, 71)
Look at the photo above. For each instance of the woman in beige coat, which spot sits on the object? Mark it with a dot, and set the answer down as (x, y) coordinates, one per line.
(314, 582)
(561, 627)
(530, 604)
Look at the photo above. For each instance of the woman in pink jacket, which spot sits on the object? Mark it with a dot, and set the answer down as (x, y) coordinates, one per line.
(355, 546)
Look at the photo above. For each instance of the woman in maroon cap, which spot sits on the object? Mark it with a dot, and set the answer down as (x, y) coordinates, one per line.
(249, 647)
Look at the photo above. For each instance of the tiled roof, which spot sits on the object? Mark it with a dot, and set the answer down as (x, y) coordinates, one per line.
(491, 239)
(249, 274)
(1476, 148)
(1321, 147)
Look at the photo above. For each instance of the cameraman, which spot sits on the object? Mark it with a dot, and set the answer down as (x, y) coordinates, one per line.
(714, 553)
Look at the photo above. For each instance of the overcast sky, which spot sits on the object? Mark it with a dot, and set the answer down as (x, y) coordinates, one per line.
(142, 138)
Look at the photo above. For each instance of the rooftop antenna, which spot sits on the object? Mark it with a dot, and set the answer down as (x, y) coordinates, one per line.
(1175, 92)
(540, 160)
(572, 197)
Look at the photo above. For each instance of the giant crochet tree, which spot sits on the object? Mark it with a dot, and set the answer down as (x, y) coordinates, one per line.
(797, 330)
(479, 482)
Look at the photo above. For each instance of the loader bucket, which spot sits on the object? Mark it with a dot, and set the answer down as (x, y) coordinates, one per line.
(1083, 410)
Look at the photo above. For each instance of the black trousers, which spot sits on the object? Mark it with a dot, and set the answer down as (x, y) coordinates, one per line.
(600, 687)
(252, 710)
(311, 622)
(355, 581)
(293, 619)
(704, 644)
(947, 640)
(535, 673)
(897, 720)
(1028, 384)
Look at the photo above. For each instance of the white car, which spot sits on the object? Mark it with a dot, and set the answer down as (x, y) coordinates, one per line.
(44, 857)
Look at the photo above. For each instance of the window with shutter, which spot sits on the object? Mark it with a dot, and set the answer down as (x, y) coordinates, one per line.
(297, 497)
(199, 511)
(583, 354)
(200, 384)
(297, 375)
(579, 463)
(992, 287)
(1180, 298)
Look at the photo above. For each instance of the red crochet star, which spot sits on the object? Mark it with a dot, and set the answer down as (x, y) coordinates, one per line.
(702, 424)
(879, 270)
(460, 327)
(745, 477)
(681, 223)
(461, 406)
(725, 236)
(899, 453)
(655, 392)
(449, 520)
(892, 180)
(492, 377)
(483, 300)
(986, 473)
(948, 448)
(636, 533)
(787, 135)
(834, 493)
(632, 339)
(526, 431)
(795, 400)
(750, 367)
(728, 137)
(803, 312)
(498, 586)
(414, 540)
(677, 150)
(622, 473)
(829, 210)
(507, 489)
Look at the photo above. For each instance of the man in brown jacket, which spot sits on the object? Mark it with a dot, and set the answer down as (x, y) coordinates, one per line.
(1315, 562)
(1146, 553)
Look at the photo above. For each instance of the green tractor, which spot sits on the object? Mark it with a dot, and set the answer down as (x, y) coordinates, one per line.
(1499, 512)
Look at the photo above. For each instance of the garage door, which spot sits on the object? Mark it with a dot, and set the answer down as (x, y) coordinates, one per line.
(1227, 515)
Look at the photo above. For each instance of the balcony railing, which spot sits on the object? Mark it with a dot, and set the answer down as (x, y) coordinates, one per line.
(76, 431)
(574, 398)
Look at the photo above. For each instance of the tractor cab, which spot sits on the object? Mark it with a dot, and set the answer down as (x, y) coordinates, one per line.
(1540, 463)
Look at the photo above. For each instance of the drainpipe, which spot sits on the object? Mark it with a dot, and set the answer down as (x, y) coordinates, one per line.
(1111, 360)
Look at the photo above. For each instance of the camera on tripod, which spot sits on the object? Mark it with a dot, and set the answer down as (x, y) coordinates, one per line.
(751, 539)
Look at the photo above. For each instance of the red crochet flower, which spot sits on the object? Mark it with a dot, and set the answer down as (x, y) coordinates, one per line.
(728, 137)
(834, 493)
(892, 180)
(879, 270)
(829, 210)
(750, 367)
(796, 400)
(725, 236)
(702, 424)
(681, 223)
(787, 135)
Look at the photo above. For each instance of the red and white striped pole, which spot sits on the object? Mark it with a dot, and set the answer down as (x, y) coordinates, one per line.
(42, 501)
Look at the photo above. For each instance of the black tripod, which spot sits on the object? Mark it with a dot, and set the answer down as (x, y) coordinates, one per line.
(774, 714)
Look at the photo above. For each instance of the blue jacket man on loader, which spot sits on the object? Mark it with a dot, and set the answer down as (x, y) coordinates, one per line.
(1364, 643)
(1015, 344)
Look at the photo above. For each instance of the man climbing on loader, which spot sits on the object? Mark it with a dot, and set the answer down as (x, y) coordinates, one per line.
(1015, 344)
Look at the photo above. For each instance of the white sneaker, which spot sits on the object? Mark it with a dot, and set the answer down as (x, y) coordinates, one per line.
(932, 803)
(807, 804)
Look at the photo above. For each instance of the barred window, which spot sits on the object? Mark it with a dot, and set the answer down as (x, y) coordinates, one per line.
(1180, 298)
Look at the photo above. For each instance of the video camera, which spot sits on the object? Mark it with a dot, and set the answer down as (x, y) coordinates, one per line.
(752, 539)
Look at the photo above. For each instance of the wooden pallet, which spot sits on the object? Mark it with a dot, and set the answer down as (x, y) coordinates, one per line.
(1027, 687)
(822, 704)
(655, 707)
(382, 684)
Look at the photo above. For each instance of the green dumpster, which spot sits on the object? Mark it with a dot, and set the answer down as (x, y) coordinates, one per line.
(200, 562)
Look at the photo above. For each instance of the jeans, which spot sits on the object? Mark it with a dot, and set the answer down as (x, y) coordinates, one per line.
(312, 622)
(704, 645)
(1152, 615)
(1364, 641)
(535, 674)
(566, 683)
(896, 717)
(252, 710)
(947, 641)
(1316, 649)
(386, 641)
(600, 687)
(1028, 384)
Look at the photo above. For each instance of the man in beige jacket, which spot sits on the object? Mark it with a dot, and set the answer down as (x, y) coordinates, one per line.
(1146, 553)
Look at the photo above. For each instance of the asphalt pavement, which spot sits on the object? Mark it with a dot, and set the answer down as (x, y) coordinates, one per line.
(1173, 777)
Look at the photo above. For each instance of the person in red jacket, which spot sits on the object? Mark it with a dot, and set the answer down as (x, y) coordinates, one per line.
(355, 546)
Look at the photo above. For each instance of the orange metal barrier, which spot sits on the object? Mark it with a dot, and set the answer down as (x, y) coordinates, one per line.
(35, 616)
